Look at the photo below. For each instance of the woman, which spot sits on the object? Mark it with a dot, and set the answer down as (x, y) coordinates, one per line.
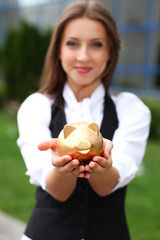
(81, 201)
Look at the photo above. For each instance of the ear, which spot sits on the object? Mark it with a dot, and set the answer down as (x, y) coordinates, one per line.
(68, 129)
(94, 128)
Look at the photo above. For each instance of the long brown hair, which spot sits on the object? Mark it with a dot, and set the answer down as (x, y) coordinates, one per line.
(54, 77)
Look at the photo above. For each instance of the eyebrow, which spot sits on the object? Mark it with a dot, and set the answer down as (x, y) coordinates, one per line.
(98, 39)
(92, 39)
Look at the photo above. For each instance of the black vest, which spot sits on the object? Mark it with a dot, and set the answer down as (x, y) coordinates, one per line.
(84, 215)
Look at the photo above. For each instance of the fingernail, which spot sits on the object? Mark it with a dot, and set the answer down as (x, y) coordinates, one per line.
(91, 165)
(75, 163)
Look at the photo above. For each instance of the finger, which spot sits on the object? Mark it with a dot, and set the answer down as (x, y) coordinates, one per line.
(103, 162)
(88, 168)
(94, 166)
(71, 168)
(108, 145)
(87, 175)
(81, 175)
(60, 161)
(48, 144)
(84, 175)
(77, 170)
(82, 171)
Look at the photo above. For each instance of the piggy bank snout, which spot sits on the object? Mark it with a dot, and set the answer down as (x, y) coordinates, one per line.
(83, 146)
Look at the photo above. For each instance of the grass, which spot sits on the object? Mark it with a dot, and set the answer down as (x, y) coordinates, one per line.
(143, 211)
(17, 195)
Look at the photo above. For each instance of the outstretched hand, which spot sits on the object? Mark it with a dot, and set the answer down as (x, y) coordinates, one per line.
(100, 163)
(64, 164)
(68, 166)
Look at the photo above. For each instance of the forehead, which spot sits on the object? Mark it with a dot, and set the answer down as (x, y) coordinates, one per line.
(84, 27)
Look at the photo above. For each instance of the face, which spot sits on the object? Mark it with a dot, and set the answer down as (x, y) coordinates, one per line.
(84, 51)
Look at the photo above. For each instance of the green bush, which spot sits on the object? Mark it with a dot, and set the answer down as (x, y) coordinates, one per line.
(154, 106)
(22, 58)
(2, 94)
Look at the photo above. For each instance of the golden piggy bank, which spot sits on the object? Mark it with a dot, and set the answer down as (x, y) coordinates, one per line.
(81, 140)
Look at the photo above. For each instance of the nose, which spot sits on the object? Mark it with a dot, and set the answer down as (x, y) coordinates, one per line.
(83, 54)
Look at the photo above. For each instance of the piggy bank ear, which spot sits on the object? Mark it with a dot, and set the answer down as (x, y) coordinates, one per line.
(94, 128)
(68, 129)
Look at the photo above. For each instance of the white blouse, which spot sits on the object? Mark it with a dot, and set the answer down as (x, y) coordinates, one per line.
(129, 139)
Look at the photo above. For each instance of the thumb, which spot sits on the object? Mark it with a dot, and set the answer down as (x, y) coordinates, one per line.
(48, 144)
(108, 145)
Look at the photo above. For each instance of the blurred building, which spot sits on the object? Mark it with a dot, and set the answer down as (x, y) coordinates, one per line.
(138, 24)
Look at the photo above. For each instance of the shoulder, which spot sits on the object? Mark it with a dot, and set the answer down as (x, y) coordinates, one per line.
(36, 100)
(127, 100)
(129, 106)
(35, 105)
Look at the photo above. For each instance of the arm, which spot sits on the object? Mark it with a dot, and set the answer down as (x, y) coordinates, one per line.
(103, 177)
(56, 175)
(129, 146)
(131, 137)
(59, 185)
(62, 178)
(104, 182)
(33, 123)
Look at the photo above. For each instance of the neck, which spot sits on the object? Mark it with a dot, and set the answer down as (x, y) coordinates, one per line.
(83, 91)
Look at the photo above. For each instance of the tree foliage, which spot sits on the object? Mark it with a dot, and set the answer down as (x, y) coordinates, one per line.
(22, 57)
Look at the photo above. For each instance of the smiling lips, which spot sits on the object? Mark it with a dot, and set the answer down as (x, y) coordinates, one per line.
(83, 69)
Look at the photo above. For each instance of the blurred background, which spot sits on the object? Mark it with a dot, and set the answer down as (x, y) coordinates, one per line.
(25, 31)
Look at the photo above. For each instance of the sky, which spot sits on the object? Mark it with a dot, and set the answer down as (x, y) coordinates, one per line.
(25, 3)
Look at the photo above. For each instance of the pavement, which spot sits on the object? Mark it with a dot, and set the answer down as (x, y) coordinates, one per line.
(10, 228)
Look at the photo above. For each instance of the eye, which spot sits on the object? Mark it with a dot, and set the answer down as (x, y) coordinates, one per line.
(97, 44)
(71, 44)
